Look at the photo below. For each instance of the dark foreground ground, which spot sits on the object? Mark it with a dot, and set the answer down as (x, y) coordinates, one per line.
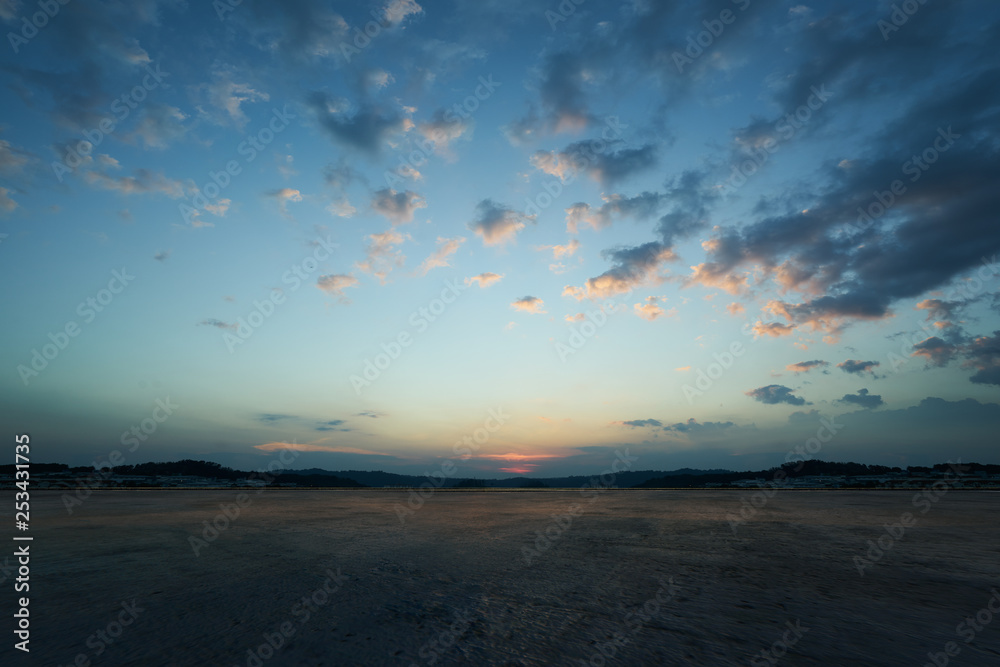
(452, 584)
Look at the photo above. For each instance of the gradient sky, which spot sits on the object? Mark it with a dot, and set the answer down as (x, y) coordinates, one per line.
(570, 213)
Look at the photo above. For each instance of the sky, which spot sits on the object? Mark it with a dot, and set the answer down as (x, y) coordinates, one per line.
(525, 238)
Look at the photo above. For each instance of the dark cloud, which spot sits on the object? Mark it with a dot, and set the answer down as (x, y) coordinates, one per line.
(333, 425)
(693, 426)
(984, 355)
(805, 366)
(219, 324)
(936, 351)
(641, 423)
(856, 366)
(631, 267)
(863, 399)
(272, 418)
(496, 224)
(774, 394)
(606, 162)
(366, 129)
(397, 207)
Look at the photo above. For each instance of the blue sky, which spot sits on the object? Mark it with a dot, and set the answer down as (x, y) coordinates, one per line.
(692, 229)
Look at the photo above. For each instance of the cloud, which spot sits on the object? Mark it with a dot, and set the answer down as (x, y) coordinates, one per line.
(806, 366)
(279, 446)
(649, 311)
(484, 279)
(12, 158)
(6, 203)
(774, 394)
(692, 426)
(381, 255)
(560, 251)
(936, 351)
(144, 181)
(397, 10)
(335, 284)
(735, 309)
(984, 355)
(863, 399)
(631, 268)
(341, 208)
(496, 224)
(639, 423)
(227, 96)
(616, 206)
(607, 167)
(772, 329)
(285, 195)
(529, 304)
(439, 258)
(857, 367)
(443, 129)
(365, 130)
(398, 207)
(218, 324)
(159, 126)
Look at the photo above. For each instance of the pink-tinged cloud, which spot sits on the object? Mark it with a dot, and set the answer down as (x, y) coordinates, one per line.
(440, 257)
(773, 329)
(519, 470)
(497, 224)
(529, 304)
(513, 456)
(649, 311)
(735, 309)
(335, 284)
(484, 280)
(277, 446)
(806, 366)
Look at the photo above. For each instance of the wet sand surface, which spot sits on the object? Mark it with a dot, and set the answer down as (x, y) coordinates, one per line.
(452, 585)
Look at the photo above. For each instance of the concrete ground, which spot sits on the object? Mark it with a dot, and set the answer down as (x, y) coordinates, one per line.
(509, 578)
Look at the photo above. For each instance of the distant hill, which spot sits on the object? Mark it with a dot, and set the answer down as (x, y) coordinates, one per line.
(625, 479)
